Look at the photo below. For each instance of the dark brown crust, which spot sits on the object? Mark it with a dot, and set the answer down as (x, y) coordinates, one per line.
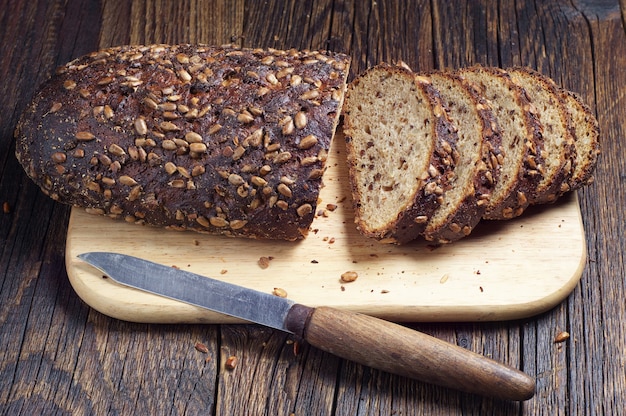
(470, 210)
(83, 142)
(529, 173)
(587, 149)
(557, 183)
(410, 222)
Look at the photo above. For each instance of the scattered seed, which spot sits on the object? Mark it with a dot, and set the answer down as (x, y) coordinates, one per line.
(280, 292)
(198, 147)
(6, 208)
(349, 276)
(201, 347)
(304, 210)
(235, 179)
(310, 94)
(300, 119)
(238, 224)
(264, 262)
(245, 118)
(55, 107)
(116, 150)
(284, 190)
(84, 136)
(271, 78)
(127, 180)
(150, 103)
(69, 84)
(184, 75)
(561, 337)
(170, 168)
(307, 142)
(168, 126)
(193, 137)
(231, 363)
(59, 157)
(218, 222)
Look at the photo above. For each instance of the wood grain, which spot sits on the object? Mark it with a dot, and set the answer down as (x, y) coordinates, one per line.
(59, 356)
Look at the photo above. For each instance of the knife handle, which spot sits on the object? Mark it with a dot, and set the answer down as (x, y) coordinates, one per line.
(399, 350)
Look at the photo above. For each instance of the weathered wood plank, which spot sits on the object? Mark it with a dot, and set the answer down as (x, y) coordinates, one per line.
(598, 346)
(57, 355)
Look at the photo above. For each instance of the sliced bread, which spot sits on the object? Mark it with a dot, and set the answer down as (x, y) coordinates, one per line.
(586, 135)
(558, 140)
(477, 152)
(400, 146)
(521, 141)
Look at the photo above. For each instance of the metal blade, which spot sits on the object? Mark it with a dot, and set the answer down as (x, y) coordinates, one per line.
(226, 298)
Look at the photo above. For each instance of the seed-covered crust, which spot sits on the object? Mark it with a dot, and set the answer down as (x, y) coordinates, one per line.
(558, 139)
(400, 147)
(586, 139)
(478, 156)
(214, 139)
(522, 142)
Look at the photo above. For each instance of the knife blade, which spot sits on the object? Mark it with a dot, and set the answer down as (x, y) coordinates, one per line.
(360, 338)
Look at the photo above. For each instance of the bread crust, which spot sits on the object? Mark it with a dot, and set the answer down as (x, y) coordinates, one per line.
(220, 140)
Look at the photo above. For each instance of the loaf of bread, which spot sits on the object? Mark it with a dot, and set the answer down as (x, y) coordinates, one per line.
(520, 140)
(401, 151)
(215, 139)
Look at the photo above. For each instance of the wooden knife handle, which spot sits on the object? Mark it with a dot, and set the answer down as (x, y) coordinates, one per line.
(399, 350)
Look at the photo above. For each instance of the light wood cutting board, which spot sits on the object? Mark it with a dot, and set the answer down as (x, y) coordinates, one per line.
(504, 270)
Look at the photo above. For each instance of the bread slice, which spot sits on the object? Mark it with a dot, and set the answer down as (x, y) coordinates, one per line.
(477, 169)
(558, 140)
(521, 141)
(400, 147)
(586, 139)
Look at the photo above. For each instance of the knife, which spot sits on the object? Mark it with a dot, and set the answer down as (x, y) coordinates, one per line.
(357, 337)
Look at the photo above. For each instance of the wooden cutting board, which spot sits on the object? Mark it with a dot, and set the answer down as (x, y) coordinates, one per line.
(504, 270)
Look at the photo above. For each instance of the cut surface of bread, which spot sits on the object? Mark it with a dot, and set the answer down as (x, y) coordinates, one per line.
(558, 141)
(521, 141)
(399, 147)
(477, 151)
(586, 139)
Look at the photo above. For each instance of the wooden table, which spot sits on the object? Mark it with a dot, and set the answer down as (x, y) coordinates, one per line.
(59, 356)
